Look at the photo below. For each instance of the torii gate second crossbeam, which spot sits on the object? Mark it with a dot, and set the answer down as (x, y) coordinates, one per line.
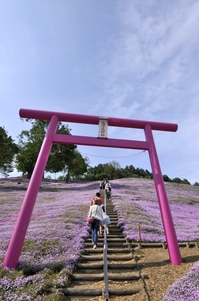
(18, 236)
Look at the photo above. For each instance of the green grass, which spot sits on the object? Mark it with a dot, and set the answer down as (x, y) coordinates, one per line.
(42, 247)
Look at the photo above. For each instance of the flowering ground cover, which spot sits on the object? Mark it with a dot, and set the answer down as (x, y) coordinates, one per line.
(55, 236)
(139, 206)
(53, 243)
(186, 288)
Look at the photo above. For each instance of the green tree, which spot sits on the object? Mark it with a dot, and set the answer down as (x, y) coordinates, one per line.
(185, 181)
(30, 144)
(140, 172)
(196, 184)
(8, 149)
(109, 171)
(90, 174)
(112, 170)
(178, 180)
(99, 172)
(129, 171)
(77, 167)
(61, 155)
(166, 178)
(148, 174)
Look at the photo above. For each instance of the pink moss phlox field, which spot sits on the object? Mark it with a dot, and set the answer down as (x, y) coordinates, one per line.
(57, 230)
(58, 220)
(186, 288)
(137, 204)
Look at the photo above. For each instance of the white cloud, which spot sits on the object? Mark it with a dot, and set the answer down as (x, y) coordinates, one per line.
(152, 50)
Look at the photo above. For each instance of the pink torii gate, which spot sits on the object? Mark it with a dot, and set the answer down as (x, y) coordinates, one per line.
(18, 236)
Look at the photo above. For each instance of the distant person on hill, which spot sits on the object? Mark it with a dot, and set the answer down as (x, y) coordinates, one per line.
(102, 184)
(97, 212)
(108, 190)
(97, 196)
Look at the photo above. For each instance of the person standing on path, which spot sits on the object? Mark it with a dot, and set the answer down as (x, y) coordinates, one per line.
(107, 229)
(108, 190)
(97, 196)
(92, 202)
(97, 212)
(102, 184)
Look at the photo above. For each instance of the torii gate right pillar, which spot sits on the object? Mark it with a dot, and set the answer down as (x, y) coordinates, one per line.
(167, 220)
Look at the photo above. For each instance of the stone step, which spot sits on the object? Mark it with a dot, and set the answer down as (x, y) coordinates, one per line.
(94, 292)
(112, 214)
(109, 251)
(97, 266)
(111, 276)
(113, 235)
(109, 239)
(110, 244)
(109, 257)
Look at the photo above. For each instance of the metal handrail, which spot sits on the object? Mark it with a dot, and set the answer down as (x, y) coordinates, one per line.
(106, 292)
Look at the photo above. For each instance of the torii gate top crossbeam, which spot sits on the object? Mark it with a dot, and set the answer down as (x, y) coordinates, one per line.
(90, 119)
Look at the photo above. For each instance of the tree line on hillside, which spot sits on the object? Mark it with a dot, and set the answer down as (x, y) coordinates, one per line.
(63, 158)
(113, 170)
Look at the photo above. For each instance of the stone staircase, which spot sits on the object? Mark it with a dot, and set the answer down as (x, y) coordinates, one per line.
(123, 269)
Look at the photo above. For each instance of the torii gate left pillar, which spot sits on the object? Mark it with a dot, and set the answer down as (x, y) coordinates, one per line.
(17, 239)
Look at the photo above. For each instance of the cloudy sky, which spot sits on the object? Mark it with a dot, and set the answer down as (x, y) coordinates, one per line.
(125, 59)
